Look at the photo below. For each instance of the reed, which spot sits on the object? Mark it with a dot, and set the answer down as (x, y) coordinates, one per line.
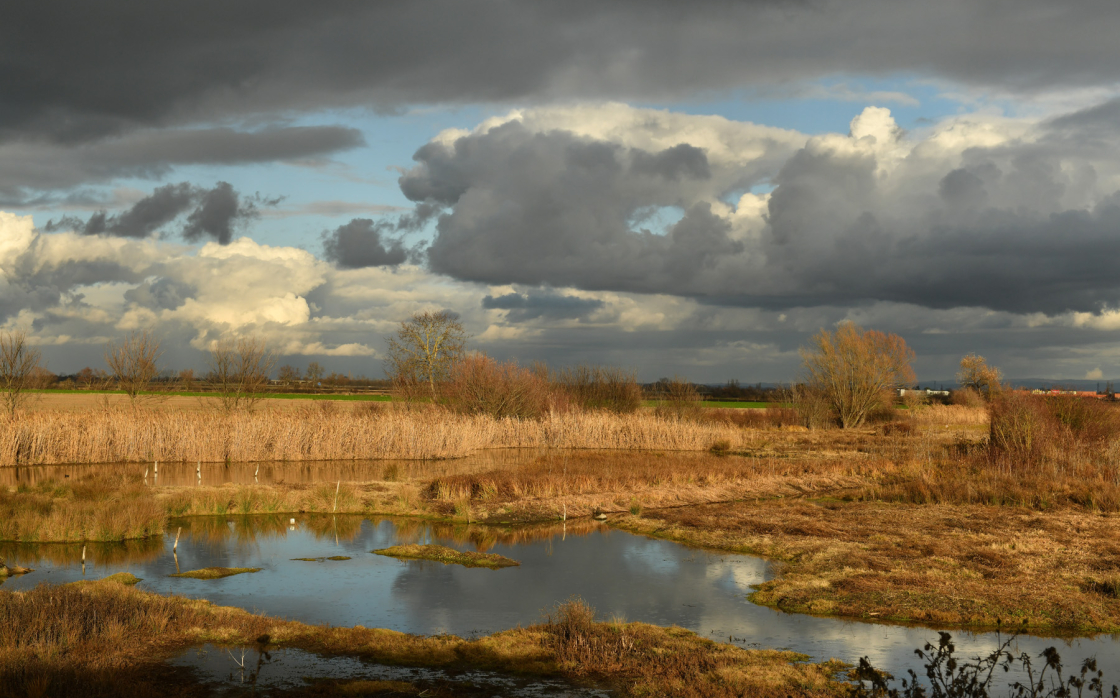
(334, 434)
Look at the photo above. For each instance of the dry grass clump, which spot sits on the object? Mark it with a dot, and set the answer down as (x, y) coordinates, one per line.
(448, 556)
(646, 660)
(948, 565)
(103, 638)
(215, 572)
(98, 509)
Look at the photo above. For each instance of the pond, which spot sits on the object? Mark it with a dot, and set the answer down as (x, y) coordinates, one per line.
(619, 574)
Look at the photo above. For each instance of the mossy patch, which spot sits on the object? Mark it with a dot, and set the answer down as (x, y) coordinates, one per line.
(126, 578)
(216, 572)
(448, 556)
(337, 558)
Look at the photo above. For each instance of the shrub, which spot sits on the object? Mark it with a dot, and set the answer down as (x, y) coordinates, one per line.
(1020, 427)
(966, 397)
(481, 385)
(814, 409)
(600, 387)
(677, 398)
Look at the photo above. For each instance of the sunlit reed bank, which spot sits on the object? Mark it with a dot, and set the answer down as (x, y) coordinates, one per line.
(106, 638)
(332, 434)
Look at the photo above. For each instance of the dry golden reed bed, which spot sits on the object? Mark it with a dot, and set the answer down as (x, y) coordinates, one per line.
(317, 433)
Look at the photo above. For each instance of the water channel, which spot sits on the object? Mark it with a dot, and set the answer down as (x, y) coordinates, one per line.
(619, 574)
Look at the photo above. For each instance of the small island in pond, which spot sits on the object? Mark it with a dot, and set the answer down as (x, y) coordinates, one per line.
(448, 556)
(216, 572)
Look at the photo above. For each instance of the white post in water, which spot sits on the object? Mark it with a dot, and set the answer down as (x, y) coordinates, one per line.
(336, 496)
(156, 468)
(83, 560)
(175, 547)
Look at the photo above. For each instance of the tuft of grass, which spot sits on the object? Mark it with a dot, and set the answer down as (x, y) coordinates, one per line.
(320, 559)
(215, 572)
(126, 578)
(448, 556)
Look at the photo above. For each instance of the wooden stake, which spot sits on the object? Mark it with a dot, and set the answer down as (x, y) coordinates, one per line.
(176, 546)
(336, 496)
(157, 468)
(83, 554)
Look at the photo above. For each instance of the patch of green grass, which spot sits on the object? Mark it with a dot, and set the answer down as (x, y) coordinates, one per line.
(216, 572)
(448, 556)
(320, 559)
(126, 578)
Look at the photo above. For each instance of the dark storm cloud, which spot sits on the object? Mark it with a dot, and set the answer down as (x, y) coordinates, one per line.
(82, 70)
(29, 166)
(214, 213)
(554, 208)
(993, 229)
(363, 243)
(542, 303)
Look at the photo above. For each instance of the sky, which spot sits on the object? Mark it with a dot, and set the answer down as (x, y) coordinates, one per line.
(682, 189)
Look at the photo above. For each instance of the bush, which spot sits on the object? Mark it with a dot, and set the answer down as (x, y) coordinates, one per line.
(814, 409)
(1029, 429)
(1021, 427)
(677, 398)
(966, 397)
(600, 388)
(481, 385)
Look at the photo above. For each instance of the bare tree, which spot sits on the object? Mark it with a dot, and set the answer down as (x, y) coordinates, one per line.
(856, 370)
(239, 371)
(18, 362)
(314, 371)
(288, 374)
(976, 374)
(132, 362)
(427, 346)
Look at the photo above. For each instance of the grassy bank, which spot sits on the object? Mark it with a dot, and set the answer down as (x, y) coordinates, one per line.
(106, 638)
(950, 565)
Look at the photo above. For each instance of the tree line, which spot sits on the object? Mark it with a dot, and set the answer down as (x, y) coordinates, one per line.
(849, 374)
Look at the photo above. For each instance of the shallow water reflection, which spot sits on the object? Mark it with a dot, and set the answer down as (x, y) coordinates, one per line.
(305, 472)
(619, 574)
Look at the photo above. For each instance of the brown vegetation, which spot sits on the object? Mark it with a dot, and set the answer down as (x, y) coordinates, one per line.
(945, 564)
(106, 638)
(448, 556)
(18, 361)
(132, 362)
(215, 572)
(856, 371)
(332, 433)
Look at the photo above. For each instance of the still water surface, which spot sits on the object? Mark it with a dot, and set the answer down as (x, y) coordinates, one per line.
(619, 574)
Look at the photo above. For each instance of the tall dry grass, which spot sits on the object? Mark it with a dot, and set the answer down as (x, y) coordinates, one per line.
(105, 509)
(330, 433)
(939, 415)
